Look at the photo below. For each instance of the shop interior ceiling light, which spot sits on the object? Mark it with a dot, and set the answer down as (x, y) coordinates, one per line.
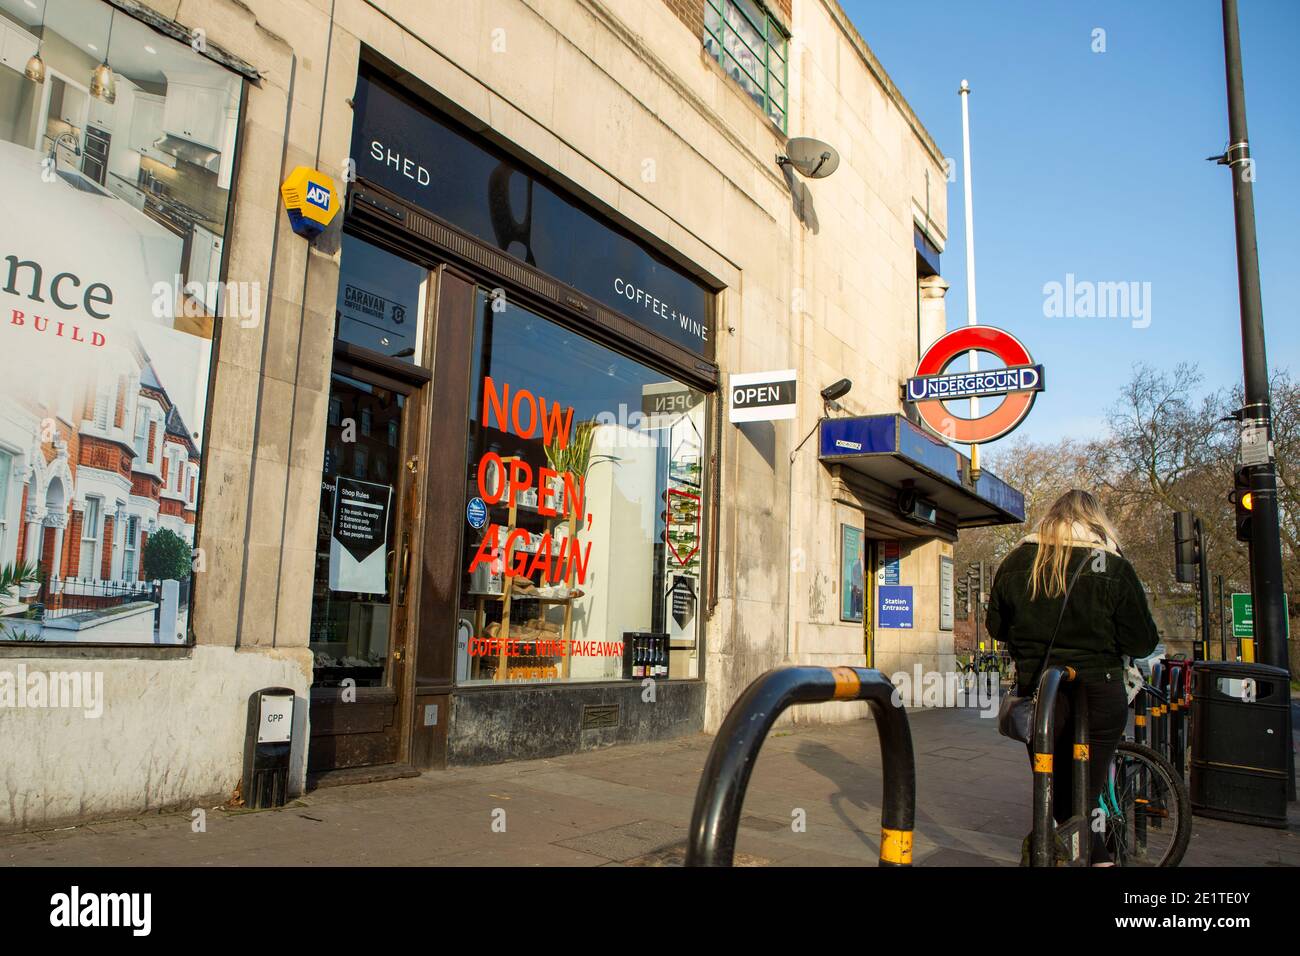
(35, 70)
(102, 86)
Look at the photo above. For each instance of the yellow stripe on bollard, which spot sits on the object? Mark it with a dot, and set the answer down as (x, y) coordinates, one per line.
(1042, 763)
(896, 846)
(847, 683)
(1080, 751)
(1140, 720)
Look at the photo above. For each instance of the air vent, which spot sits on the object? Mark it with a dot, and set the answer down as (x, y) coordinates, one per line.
(599, 716)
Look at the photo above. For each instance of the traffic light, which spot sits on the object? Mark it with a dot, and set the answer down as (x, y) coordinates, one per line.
(1241, 500)
(1185, 556)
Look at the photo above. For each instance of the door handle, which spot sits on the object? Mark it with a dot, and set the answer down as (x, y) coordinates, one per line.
(406, 569)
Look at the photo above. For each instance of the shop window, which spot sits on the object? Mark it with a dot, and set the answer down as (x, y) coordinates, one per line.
(352, 597)
(582, 554)
(752, 49)
(381, 301)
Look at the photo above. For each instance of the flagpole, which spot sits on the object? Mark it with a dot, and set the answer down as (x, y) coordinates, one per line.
(971, 318)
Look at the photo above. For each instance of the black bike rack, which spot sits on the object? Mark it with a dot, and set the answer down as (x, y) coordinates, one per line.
(1177, 679)
(1074, 831)
(734, 752)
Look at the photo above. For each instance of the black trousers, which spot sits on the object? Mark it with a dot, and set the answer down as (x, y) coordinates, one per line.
(1107, 719)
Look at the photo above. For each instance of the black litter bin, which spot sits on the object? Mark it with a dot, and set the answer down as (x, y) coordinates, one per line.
(1241, 742)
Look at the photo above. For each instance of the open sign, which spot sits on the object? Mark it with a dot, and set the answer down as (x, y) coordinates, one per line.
(763, 396)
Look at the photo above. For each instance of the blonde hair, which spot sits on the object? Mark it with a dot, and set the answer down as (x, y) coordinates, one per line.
(1056, 533)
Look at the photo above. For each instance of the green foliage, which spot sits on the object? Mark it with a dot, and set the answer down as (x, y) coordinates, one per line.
(19, 572)
(576, 457)
(167, 557)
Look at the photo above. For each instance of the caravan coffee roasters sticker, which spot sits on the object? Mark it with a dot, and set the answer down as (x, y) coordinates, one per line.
(359, 537)
(111, 291)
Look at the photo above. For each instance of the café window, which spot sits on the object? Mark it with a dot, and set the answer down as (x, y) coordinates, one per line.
(380, 302)
(581, 558)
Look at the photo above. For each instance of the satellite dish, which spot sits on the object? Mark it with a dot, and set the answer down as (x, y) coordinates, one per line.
(810, 157)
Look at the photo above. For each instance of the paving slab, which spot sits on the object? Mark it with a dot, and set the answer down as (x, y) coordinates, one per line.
(813, 800)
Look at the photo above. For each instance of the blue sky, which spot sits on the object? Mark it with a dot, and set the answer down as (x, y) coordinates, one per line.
(1093, 164)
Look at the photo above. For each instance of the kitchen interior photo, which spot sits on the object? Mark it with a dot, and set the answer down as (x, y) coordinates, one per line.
(126, 113)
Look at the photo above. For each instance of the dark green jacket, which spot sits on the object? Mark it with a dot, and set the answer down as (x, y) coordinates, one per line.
(1107, 616)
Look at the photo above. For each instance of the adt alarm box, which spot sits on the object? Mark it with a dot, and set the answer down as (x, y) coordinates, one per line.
(268, 747)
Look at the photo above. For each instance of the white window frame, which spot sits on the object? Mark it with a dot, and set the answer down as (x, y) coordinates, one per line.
(7, 462)
(130, 538)
(96, 528)
(140, 440)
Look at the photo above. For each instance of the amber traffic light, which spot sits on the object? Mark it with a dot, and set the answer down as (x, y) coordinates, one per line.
(1241, 500)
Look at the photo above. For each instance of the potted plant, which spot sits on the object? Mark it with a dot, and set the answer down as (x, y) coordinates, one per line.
(575, 458)
(18, 580)
(32, 587)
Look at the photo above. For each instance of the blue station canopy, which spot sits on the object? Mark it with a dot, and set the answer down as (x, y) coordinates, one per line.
(892, 450)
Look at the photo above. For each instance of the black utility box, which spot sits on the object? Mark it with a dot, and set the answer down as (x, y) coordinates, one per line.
(268, 747)
(1241, 742)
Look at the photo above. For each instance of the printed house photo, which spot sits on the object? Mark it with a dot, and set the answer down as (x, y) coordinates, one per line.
(116, 146)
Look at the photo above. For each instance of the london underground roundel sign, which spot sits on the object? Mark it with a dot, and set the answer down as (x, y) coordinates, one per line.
(1020, 380)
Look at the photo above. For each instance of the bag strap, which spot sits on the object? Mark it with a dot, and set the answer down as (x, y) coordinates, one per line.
(1056, 630)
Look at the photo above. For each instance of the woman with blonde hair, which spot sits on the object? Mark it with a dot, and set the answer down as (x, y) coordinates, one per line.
(1071, 570)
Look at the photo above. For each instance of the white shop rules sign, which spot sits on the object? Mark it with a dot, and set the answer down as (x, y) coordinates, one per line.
(359, 536)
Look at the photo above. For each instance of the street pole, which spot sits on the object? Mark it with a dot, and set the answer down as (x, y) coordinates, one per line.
(1203, 585)
(1256, 416)
(1223, 621)
(971, 316)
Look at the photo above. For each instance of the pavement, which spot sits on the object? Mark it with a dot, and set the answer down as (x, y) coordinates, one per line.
(630, 806)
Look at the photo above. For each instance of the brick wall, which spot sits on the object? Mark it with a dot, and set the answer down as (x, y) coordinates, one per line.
(691, 13)
(72, 546)
(119, 412)
(106, 564)
(22, 526)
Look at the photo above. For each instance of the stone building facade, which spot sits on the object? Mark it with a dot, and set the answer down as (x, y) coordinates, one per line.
(632, 116)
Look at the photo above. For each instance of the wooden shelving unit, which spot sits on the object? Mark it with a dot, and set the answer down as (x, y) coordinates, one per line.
(511, 593)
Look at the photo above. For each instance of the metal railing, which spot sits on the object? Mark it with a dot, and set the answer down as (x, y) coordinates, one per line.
(1075, 830)
(735, 750)
(60, 597)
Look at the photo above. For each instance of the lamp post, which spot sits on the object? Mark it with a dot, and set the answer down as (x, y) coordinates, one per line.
(1256, 416)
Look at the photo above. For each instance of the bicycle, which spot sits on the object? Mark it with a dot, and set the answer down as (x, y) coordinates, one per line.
(1145, 806)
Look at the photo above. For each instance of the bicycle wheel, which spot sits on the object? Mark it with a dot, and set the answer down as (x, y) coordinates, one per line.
(1147, 813)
